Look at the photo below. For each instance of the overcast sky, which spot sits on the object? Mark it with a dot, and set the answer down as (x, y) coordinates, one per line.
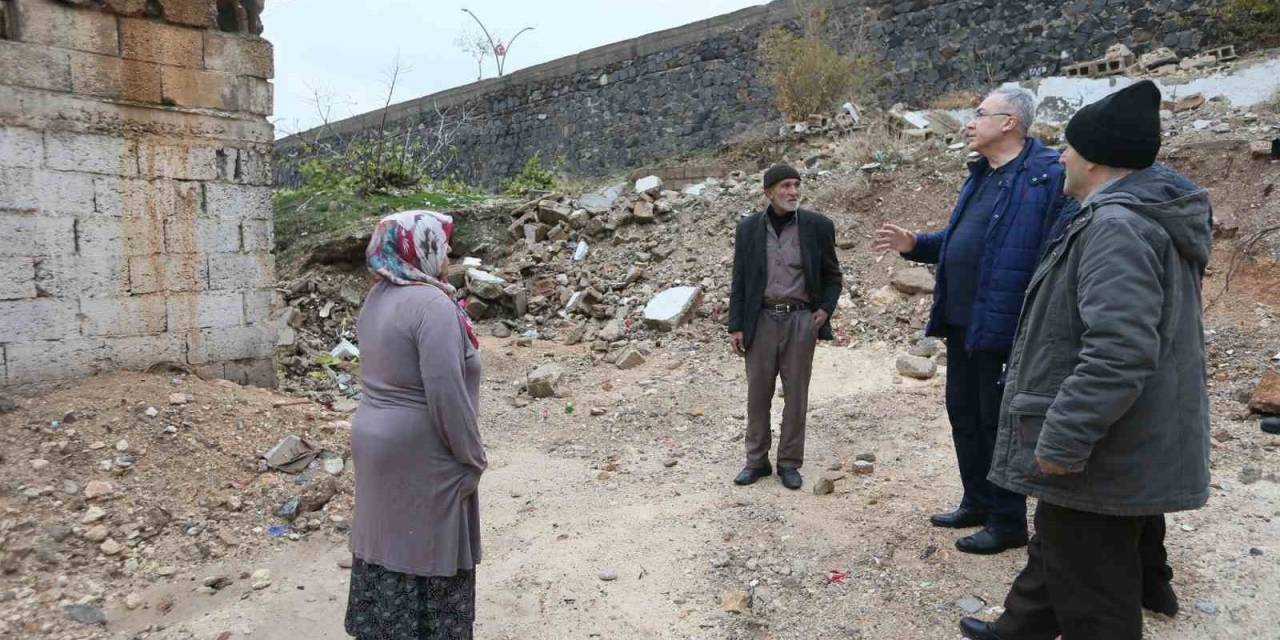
(344, 50)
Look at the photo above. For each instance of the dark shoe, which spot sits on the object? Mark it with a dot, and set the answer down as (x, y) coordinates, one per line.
(749, 475)
(976, 629)
(959, 519)
(990, 541)
(1158, 596)
(790, 477)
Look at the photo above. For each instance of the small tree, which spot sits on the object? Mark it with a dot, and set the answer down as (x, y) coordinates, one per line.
(498, 49)
(807, 74)
(1255, 21)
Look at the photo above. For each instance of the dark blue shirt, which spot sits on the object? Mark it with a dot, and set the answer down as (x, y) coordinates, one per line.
(963, 255)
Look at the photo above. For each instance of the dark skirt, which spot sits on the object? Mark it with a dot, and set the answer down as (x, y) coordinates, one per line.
(388, 605)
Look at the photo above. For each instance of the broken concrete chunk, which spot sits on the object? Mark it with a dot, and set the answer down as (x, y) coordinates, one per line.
(672, 307)
(544, 382)
(601, 201)
(630, 359)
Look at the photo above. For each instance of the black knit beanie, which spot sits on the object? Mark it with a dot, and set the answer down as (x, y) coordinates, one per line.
(1121, 130)
(777, 173)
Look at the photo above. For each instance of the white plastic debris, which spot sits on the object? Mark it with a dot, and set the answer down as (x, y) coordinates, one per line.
(345, 350)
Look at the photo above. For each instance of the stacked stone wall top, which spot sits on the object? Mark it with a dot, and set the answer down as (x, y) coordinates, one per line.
(135, 182)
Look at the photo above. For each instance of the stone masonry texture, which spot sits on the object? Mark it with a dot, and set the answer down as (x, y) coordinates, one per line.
(135, 213)
(697, 87)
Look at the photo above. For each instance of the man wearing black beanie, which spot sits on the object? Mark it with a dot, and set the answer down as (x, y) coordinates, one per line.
(1105, 411)
(786, 282)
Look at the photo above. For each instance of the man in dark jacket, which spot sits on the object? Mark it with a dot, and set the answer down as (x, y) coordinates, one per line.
(985, 257)
(786, 282)
(1105, 416)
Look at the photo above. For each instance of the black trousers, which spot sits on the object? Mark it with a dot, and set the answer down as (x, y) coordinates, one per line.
(1083, 578)
(973, 406)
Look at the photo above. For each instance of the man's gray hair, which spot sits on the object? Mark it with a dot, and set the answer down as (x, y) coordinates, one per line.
(1022, 104)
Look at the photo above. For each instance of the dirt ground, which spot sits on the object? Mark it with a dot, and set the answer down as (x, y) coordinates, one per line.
(637, 489)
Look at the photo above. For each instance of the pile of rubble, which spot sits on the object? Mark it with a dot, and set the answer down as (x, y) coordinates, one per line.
(1159, 62)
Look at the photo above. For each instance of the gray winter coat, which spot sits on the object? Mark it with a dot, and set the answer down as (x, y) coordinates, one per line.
(1107, 373)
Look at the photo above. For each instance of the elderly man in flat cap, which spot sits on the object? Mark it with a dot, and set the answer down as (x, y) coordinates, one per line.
(1105, 416)
(786, 282)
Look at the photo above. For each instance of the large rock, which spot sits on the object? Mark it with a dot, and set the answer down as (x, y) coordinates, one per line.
(912, 281)
(917, 367)
(544, 382)
(1266, 398)
(651, 185)
(601, 201)
(485, 285)
(552, 213)
(630, 359)
(672, 307)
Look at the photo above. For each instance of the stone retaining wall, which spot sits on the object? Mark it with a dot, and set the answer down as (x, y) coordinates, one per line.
(135, 213)
(697, 87)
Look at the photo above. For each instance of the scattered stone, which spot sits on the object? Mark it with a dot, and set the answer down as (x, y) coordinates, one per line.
(152, 412)
(58, 532)
(544, 382)
(39, 464)
(122, 445)
(608, 575)
(289, 510)
(601, 201)
(917, 367)
(926, 348)
(1158, 58)
(1270, 424)
(971, 604)
(1188, 103)
(110, 547)
(261, 579)
(912, 281)
(823, 486)
(1207, 607)
(97, 534)
(217, 582)
(500, 330)
(630, 359)
(865, 457)
(334, 466)
(1266, 396)
(651, 185)
(344, 562)
(70, 487)
(672, 307)
(1255, 552)
(1223, 435)
(735, 601)
(862, 468)
(98, 489)
(132, 601)
(670, 462)
(93, 514)
(179, 398)
(485, 285)
(1250, 474)
(85, 614)
(721, 560)
(598, 411)
(317, 494)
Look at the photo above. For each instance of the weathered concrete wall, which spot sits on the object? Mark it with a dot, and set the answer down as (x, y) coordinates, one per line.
(135, 217)
(697, 86)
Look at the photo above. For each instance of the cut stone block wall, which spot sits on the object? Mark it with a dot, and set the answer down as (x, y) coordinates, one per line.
(135, 213)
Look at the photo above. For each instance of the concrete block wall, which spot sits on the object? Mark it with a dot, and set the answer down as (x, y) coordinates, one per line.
(135, 186)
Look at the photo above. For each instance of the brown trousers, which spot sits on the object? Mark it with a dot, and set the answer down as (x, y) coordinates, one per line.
(783, 344)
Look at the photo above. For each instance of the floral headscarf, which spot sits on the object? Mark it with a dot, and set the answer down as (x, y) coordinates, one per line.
(412, 248)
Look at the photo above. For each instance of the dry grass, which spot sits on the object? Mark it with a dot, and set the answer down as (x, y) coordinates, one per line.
(876, 143)
(956, 99)
(808, 76)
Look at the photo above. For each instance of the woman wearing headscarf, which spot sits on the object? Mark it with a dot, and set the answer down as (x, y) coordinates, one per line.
(415, 535)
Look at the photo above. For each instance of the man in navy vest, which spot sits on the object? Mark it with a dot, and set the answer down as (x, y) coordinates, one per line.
(985, 259)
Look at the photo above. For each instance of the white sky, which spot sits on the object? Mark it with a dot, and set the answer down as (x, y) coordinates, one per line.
(345, 49)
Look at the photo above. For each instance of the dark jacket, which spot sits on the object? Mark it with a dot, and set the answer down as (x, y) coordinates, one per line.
(821, 269)
(1024, 212)
(1107, 373)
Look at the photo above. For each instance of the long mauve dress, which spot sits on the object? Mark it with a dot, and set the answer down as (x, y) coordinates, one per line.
(418, 460)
